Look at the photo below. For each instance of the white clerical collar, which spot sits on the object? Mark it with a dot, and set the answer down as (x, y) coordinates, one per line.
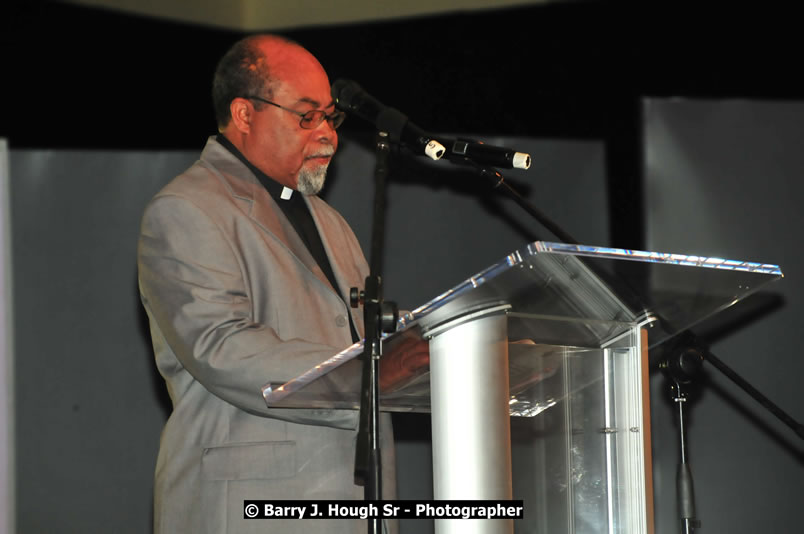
(286, 193)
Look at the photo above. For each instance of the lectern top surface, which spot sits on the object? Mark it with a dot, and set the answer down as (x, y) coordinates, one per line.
(576, 296)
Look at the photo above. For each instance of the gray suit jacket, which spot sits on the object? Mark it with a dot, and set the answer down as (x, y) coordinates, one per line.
(235, 300)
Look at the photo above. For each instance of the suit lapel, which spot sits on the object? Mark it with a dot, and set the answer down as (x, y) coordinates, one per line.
(270, 217)
(341, 257)
(258, 204)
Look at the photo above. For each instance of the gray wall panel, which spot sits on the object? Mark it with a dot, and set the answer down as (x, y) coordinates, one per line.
(89, 407)
(724, 179)
(445, 224)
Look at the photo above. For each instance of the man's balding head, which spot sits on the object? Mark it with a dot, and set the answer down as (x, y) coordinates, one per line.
(252, 66)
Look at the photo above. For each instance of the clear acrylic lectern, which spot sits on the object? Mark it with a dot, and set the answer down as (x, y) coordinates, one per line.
(556, 335)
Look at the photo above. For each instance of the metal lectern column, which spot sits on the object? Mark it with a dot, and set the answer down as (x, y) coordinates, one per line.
(470, 416)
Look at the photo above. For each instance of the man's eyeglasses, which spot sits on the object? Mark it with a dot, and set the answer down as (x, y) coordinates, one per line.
(309, 119)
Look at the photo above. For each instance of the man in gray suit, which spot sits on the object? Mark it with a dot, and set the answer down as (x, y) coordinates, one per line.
(245, 274)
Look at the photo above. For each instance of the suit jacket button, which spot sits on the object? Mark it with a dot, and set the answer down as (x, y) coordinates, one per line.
(340, 320)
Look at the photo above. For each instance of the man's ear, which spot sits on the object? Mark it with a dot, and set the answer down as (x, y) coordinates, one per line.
(242, 111)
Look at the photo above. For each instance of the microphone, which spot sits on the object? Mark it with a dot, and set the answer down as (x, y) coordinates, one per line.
(460, 150)
(351, 98)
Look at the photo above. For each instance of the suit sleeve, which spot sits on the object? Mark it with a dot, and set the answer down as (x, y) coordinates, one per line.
(192, 285)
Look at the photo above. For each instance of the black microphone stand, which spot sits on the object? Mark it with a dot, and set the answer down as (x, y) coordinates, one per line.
(379, 316)
(681, 367)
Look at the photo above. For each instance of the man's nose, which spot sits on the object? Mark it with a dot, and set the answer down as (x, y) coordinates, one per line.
(326, 133)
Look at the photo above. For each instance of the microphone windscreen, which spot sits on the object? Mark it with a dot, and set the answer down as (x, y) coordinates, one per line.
(344, 93)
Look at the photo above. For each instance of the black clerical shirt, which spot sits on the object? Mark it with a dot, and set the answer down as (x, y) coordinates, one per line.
(297, 212)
